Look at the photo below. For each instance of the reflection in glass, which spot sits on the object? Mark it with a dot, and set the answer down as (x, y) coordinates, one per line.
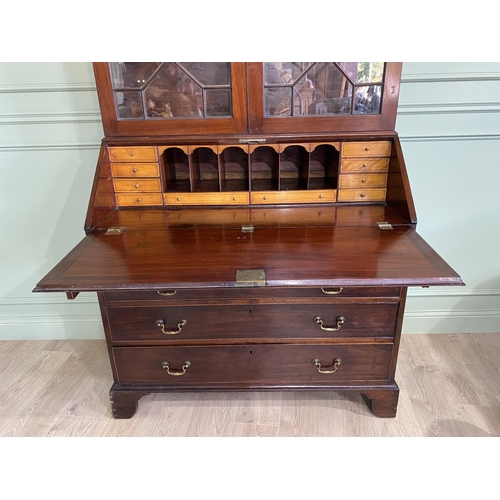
(296, 89)
(367, 100)
(128, 104)
(131, 75)
(218, 102)
(171, 90)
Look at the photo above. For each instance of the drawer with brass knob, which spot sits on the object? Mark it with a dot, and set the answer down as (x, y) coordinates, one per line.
(361, 149)
(142, 185)
(362, 181)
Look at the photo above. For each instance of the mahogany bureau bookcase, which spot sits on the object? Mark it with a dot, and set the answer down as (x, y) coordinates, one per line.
(251, 227)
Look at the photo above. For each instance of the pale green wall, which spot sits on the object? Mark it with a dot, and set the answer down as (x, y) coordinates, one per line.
(50, 131)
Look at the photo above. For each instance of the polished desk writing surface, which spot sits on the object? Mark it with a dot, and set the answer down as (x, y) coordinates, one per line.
(164, 256)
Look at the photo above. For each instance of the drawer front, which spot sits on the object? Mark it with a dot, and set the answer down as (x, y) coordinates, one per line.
(139, 185)
(139, 199)
(365, 165)
(135, 170)
(251, 294)
(361, 149)
(133, 154)
(362, 181)
(284, 321)
(355, 195)
(253, 366)
(228, 198)
(276, 197)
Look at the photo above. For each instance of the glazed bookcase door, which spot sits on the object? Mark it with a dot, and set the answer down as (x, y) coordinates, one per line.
(171, 98)
(309, 97)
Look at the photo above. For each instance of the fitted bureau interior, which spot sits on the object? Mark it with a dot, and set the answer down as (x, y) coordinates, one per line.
(251, 174)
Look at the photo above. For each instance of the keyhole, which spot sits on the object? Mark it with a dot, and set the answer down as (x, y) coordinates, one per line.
(249, 311)
(250, 351)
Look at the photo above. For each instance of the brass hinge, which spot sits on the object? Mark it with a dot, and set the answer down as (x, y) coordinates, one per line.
(114, 230)
(384, 225)
(247, 228)
(251, 277)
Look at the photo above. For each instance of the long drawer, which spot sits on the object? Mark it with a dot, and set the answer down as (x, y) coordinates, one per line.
(282, 321)
(236, 293)
(253, 366)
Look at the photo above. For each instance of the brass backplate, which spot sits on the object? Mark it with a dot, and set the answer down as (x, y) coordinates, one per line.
(251, 277)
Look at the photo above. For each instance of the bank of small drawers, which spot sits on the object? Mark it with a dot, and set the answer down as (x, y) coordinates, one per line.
(136, 176)
(363, 171)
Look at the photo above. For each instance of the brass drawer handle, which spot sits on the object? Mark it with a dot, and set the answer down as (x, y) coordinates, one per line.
(177, 373)
(319, 321)
(161, 324)
(333, 292)
(336, 364)
(167, 294)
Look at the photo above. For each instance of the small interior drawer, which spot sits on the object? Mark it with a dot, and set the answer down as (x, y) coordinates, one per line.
(135, 170)
(357, 195)
(361, 149)
(364, 165)
(133, 154)
(139, 199)
(140, 185)
(362, 181)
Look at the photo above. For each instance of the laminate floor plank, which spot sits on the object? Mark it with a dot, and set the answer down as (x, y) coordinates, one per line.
(449, 386)
(41, 411)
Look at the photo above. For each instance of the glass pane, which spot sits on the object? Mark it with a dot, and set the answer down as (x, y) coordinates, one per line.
(172, 93)
(128, 105)
(370, 72)
(277, 73)
(208, 73)
(322, 90)
(218, 102)
(278, 101)
(172, 90)
(131, 75)
(367, 100)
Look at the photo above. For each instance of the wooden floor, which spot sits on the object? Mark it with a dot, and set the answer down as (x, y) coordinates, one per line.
(450, 386)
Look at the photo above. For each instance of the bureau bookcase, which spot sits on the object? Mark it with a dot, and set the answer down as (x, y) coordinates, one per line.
(251, 227)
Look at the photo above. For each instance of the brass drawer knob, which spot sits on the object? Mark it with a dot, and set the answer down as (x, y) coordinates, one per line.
(176, 373)
(137, 185)
(336, 363)
(138, 200)
(134, 170)
(319, 321)
(132, 154)
(161, 324)
(367, 148)
(362, 195)
(362, 180)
